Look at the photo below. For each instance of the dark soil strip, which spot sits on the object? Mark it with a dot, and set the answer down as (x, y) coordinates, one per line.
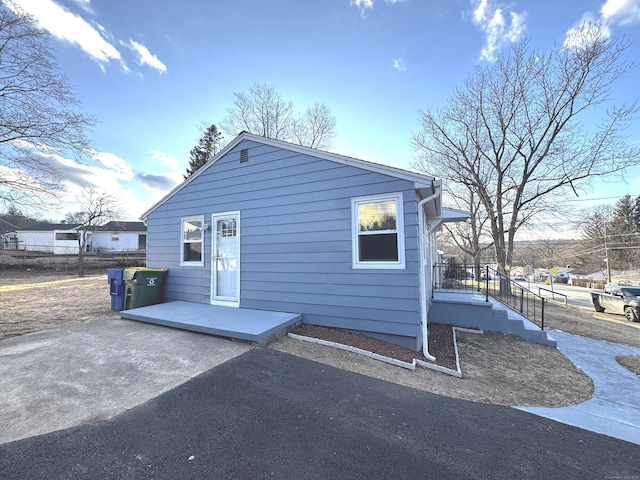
(441, 343)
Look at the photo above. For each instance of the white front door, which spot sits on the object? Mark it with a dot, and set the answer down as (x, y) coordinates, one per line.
(225, 264)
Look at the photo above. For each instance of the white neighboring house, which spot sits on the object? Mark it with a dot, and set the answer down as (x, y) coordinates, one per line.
(118, 237)
(56, 238)
(62, 238)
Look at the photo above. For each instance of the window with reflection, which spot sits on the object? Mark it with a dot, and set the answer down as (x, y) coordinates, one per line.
(192, 241)
(377, 232)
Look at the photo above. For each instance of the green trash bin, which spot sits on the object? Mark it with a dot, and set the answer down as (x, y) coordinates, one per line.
(143, 286)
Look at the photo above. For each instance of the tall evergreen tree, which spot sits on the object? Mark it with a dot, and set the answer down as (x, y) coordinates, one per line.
(624, 234)
(636, 214)
(205, 150)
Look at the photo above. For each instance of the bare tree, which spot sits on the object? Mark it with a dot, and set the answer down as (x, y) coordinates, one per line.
(594, 224)
(316, 128)
(262, 111)
(471, 237)
(38, 112)
(96, 209)
(514, 133)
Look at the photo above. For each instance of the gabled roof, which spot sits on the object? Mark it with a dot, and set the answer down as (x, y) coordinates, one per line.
(113, 226)
(421, 181)
(116, 226)
(49, 227)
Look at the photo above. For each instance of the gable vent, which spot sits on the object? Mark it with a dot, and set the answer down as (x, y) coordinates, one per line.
(244, 155)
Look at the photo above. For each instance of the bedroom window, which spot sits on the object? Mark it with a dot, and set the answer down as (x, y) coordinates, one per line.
(377, 231)
(192, 241)
(115, 237)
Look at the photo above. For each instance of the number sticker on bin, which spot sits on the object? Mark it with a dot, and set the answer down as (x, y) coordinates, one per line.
(151, 282)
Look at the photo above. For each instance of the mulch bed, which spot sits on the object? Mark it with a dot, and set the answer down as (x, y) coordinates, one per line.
(440, 343)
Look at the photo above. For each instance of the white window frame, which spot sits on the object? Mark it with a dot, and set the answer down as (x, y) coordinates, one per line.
(115, 237)
(355, 245)
(188, 263)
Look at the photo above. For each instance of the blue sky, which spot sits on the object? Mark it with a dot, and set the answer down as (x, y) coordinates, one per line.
(152, 71)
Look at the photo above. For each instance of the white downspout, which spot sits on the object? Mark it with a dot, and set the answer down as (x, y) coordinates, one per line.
(423, 291)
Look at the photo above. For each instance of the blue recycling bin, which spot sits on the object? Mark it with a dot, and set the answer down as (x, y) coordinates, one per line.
(116, 288)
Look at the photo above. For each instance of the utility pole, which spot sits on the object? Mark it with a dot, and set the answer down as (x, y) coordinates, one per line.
(606, 255)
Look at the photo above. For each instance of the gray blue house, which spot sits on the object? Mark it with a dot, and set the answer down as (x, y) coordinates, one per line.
(270, 225)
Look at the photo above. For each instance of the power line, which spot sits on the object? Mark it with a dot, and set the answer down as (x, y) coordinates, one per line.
(600, 198)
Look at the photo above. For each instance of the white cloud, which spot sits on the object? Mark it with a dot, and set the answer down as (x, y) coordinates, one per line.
(108, 173)
(612, 13)
(399, 65)
(114, 175)
(584, 33)
(75, 176)
(621, 12)
(91, 37)
(146, 57)
(113, 163)
(518, 26)
(362, 5)
(85, 5)
(166, 160)
(479, 13)
(489, 16)
(69, 27)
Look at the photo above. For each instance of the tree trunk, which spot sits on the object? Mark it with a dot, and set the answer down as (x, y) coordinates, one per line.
(504, 265)
(80, 257)
(476, 267)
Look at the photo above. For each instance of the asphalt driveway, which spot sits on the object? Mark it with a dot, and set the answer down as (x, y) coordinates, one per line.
(266, 414)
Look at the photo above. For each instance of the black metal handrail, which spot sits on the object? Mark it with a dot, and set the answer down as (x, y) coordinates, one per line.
(460, 278)
(553, 294)
(454, 278)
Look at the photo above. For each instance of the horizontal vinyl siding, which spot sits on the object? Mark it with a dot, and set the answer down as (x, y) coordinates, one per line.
(296, 252)
(191, 284)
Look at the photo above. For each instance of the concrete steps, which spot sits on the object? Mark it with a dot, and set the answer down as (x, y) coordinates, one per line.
(472, 311)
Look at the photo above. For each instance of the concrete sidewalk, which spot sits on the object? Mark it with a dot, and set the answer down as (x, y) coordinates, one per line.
(69, 376)
(614, 408)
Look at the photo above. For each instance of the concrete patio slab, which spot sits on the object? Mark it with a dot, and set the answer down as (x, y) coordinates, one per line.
(238, 323)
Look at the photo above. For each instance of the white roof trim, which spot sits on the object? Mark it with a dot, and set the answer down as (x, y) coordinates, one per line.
(417, 178)
(447, 215)
(453, 215)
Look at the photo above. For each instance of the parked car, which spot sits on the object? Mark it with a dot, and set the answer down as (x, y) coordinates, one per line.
(520, 278)
(615, 298)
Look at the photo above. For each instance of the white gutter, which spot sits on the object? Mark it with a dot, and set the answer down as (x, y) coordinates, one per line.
(423, 292)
